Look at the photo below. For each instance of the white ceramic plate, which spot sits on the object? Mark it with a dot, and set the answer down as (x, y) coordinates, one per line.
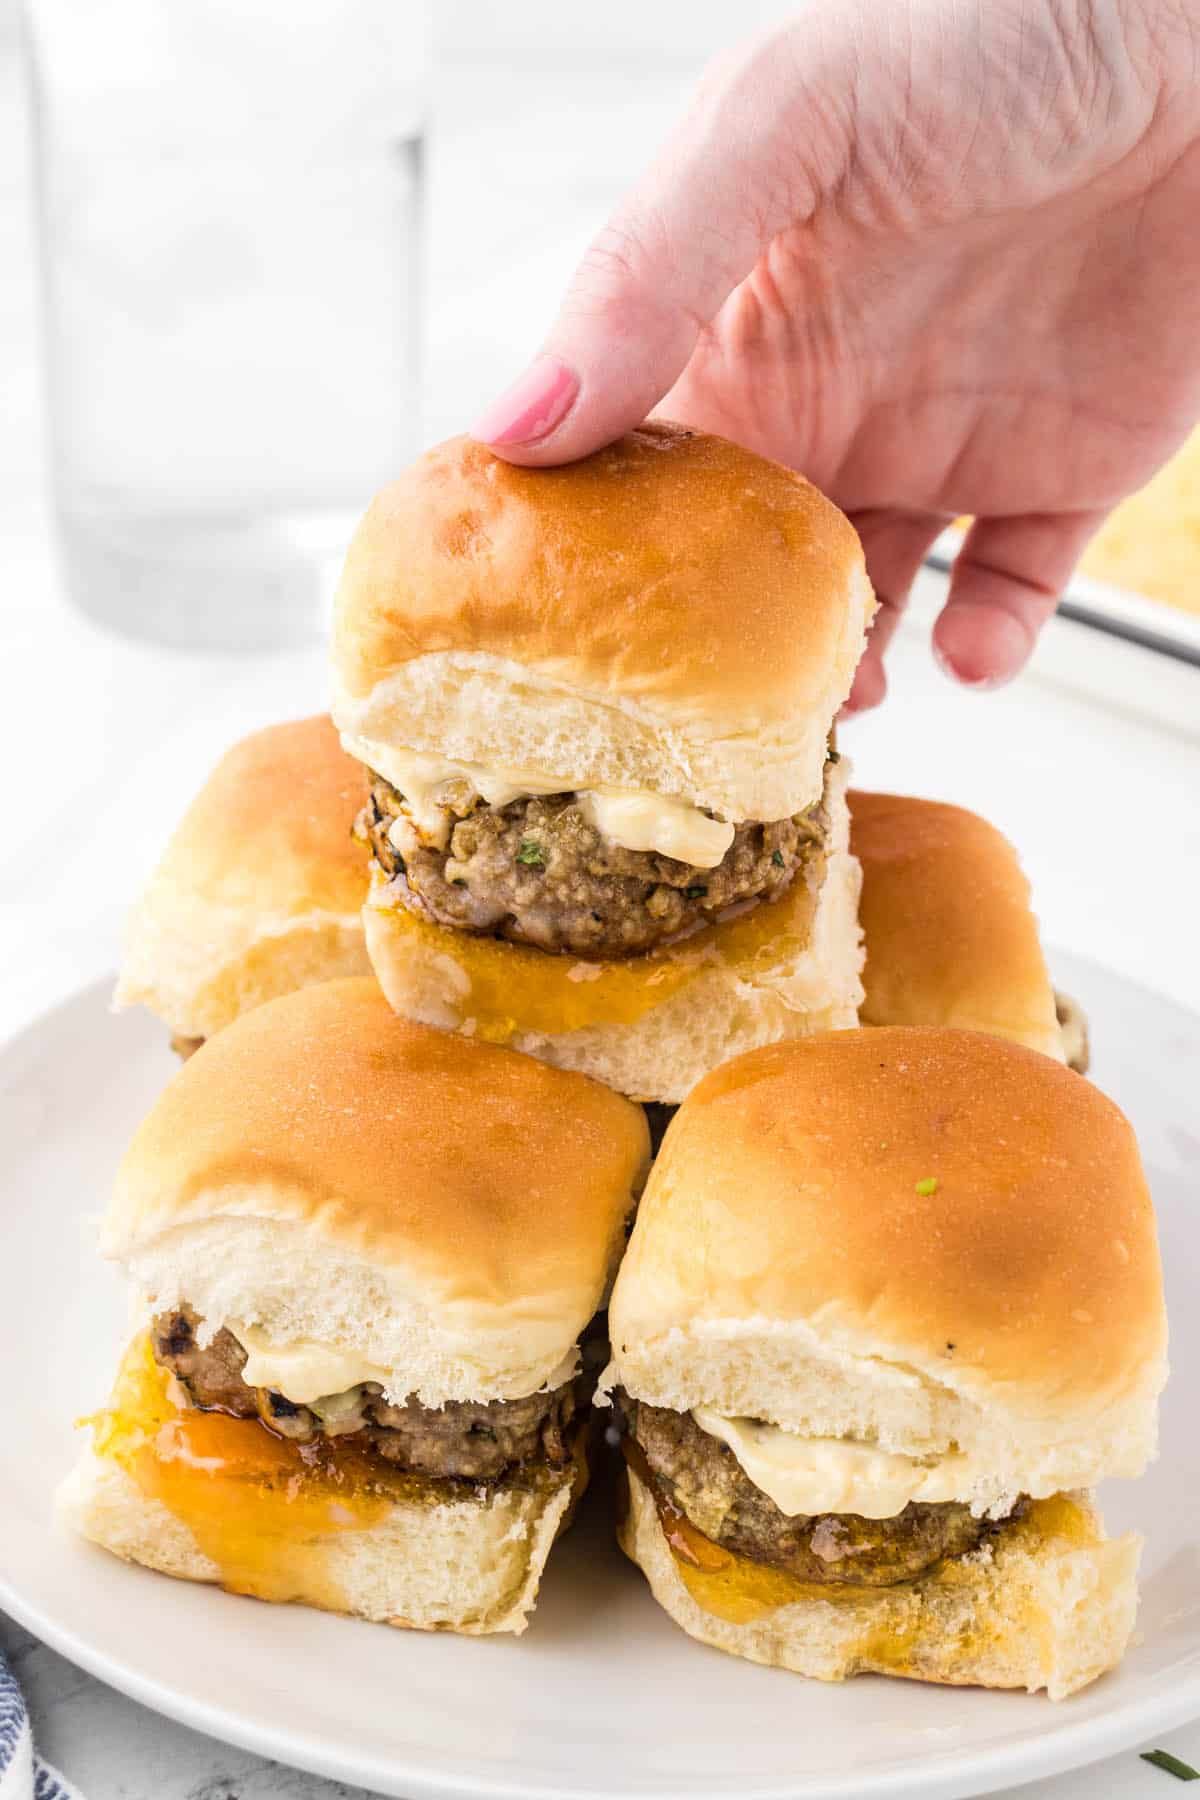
(603, 1696)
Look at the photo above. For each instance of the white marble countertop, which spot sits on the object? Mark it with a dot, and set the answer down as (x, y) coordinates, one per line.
(1092, 763)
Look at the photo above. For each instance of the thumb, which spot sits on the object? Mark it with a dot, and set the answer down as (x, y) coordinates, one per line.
(658, 272)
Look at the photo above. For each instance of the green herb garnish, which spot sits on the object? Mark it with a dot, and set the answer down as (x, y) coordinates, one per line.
(777, 858)
(928, 1186)
(530, 853)
(695, 893)
(1162, 1759)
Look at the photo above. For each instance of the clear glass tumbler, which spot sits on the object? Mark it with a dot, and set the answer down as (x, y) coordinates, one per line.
(230, 216)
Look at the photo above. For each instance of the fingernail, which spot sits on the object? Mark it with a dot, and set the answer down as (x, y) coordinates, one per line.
(966, 678)
(532, 407)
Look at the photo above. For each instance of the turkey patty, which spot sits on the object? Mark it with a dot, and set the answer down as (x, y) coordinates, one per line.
(479, 1440)
(539, 872)
(704, 1479)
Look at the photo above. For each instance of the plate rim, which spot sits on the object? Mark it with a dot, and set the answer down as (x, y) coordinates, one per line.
(966, 1773)
(1014, 1764)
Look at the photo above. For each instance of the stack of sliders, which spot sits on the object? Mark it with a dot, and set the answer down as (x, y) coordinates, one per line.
(608, 821)
(891, 1307)
(951, 937)
(259, 890)
(357, 1378)
(892, 1303)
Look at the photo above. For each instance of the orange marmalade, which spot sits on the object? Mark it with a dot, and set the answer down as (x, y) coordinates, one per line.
(262, 1508)
(560, 993)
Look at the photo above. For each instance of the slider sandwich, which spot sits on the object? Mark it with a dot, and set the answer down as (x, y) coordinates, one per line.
(260, 889)
(951, 936)
(608, 823)
(366, 1252)
(891, 1307)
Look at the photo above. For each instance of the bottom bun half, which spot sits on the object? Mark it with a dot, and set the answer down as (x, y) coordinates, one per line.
(470, 1565)
(1050, 1604)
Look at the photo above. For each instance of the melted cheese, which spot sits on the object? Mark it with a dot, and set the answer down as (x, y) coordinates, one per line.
(267, 1512)
(635, 820)
(303, 1371)
(652, 822)
(836, 1475)
(737, 1589)
(264, 1510)
(498, 981)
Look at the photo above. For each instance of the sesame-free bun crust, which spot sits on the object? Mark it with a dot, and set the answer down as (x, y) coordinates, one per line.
(789, 1262)
(673, 613)
(650, 1026)
(260, 887)
(450, 1210)
(950, 934)
(471, 1565)
(1050, 1608)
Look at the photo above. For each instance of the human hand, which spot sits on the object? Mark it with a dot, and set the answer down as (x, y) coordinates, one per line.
(941, 256)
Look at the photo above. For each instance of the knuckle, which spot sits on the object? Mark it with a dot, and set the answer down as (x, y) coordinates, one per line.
(615, 277)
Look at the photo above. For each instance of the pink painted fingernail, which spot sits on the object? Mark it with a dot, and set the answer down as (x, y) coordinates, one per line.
(533, 406)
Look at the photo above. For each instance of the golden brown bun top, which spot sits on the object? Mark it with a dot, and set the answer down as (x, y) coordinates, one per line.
(951, 937)
(475, 1173)
(942, 1198)
(271, 826)
(672, 569)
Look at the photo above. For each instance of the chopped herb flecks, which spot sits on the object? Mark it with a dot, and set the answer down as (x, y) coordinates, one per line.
(928, 1186)
(530, 853)
(1162, 1759)
(695, 893)
(777, 858)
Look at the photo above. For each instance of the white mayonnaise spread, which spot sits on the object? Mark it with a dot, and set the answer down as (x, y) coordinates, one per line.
(305, 1370)
(302, 1370)
(636, 821)
(652, 822)
(837, 1475)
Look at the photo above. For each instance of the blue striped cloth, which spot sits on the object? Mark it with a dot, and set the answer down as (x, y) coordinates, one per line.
(23, 1774)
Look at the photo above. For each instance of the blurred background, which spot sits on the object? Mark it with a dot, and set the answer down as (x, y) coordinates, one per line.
(254, 258)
